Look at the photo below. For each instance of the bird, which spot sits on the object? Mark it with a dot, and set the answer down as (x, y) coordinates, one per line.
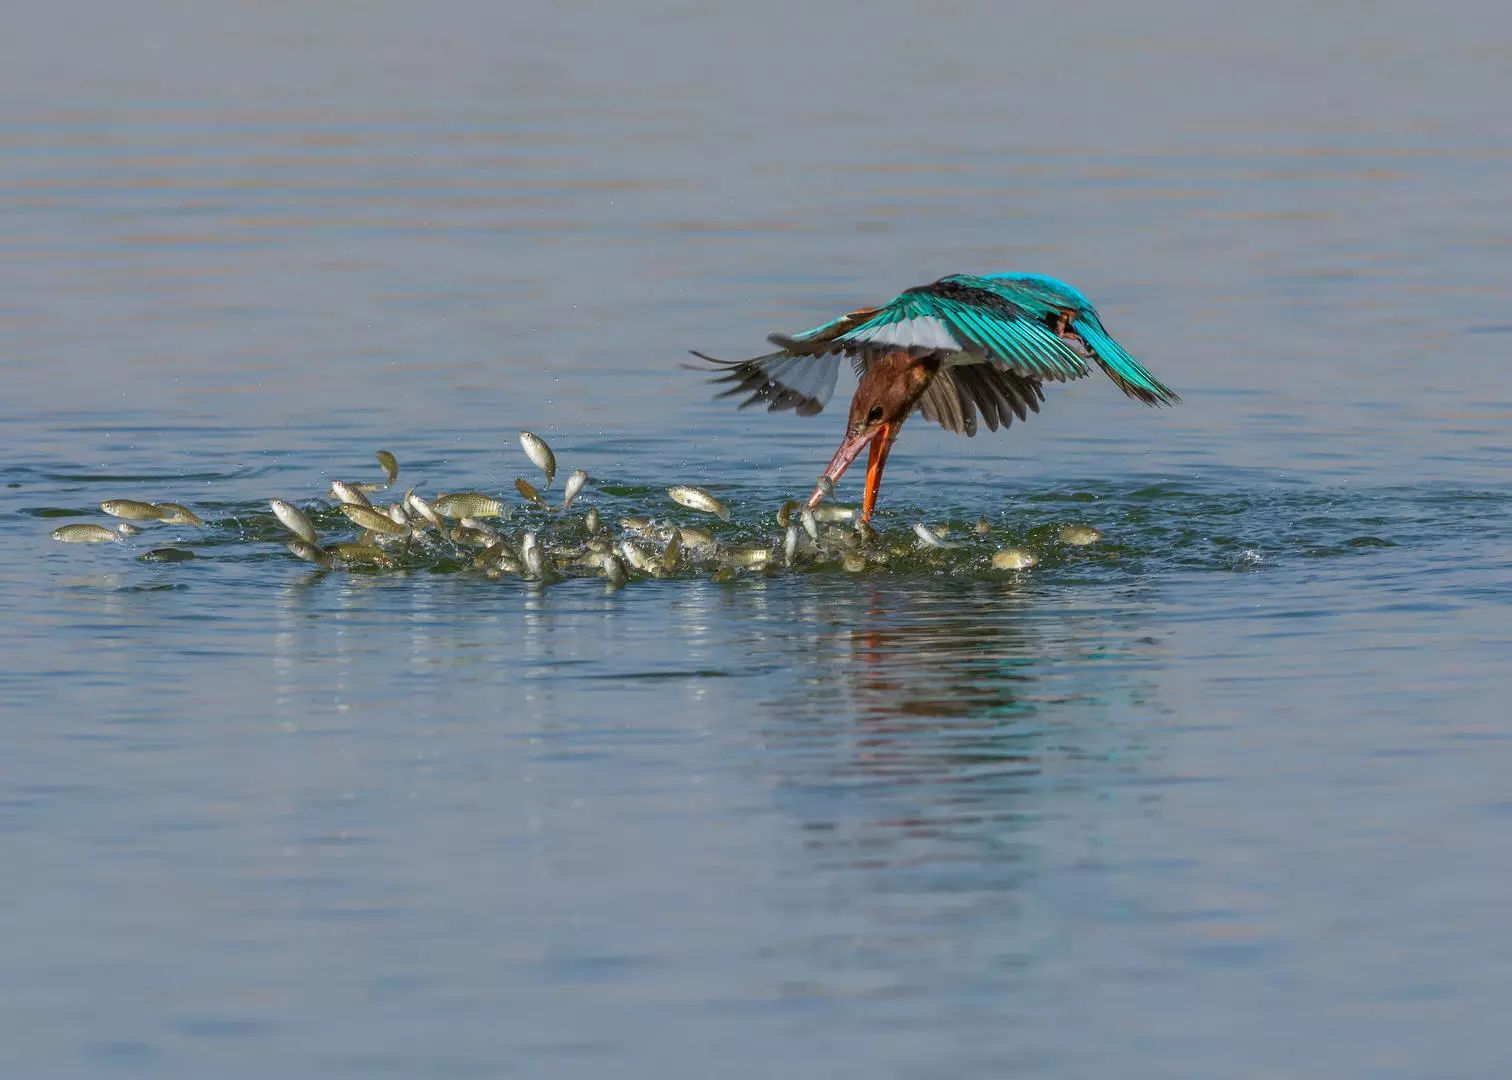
(964, 345)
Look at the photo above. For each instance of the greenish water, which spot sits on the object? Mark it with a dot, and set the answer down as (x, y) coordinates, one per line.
(1223, 794)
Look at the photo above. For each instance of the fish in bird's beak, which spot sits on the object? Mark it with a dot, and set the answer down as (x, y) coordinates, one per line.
(879, 437)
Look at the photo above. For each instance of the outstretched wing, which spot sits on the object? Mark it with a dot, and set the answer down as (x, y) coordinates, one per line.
(961, 318)
(800, 377)
(955, 316)
(782, 380)
(1067, 311)
(1128, 374)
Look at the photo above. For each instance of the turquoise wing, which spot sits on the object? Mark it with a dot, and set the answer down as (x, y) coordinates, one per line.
(1033, 328)
(1068, 310)
(951, 316)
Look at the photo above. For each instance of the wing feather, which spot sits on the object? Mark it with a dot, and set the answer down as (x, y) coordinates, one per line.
(781, 380)
(997, 330)
(1072, 316)
(1000, 338)
(1010, 394)
(983, 397)
(958, 393)
(943, 404)
(1128, 374)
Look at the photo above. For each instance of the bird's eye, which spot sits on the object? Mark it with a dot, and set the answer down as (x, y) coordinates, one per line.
(875, 414)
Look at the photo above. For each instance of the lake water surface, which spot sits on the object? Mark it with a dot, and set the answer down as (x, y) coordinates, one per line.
(1224, 795)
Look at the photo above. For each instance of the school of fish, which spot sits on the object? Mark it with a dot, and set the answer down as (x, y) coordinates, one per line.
(540, 541)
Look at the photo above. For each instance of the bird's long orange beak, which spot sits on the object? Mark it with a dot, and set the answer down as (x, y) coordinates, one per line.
(880, 439)
(875, 461)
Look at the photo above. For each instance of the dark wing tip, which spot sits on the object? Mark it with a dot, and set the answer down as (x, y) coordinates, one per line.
(716, 361)
(751, 378)
(1162, 396)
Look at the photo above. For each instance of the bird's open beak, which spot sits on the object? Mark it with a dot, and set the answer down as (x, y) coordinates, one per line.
(880, 439)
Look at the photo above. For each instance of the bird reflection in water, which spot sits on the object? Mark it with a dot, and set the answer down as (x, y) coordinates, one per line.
(947, 707)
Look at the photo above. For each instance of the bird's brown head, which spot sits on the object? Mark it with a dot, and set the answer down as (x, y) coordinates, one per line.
(885, 396)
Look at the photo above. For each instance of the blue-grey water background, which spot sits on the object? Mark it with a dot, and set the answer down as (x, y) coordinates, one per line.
(1226, 796)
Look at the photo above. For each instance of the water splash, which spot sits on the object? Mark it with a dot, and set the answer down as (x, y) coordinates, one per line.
(1146, 528)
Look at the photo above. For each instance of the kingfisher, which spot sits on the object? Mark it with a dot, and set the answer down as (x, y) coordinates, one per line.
(963, 345)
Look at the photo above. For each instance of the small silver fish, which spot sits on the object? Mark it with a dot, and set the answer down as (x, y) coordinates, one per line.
(501, 554)
(616, 570)
(698, 499)
(825, 487)
(468, 504)
(359, 555)
(748, 556)
(175, 514)
(132, 510)
(1014, 559)
(810, 524)
(637, 558)
(166, 555)
(478, 525)
(424, 509)
(785, 514)
(85, 534)
(699, 543)
(527, 489)
(390, 465)
(125, 528)
(983, 527)
(540, 455)
(470, 537)
(1079, 535)
(396, 514)
(295, 520)
(671, 557)
(373, 520)
(309, 553)
(853, 562)
(591, 521)
(929, 538)
(829, 514)
(534, 555)
(575, 484)
(638, 525)
(790, 543)
(348, 494)
(865, 533)
(491, 555)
